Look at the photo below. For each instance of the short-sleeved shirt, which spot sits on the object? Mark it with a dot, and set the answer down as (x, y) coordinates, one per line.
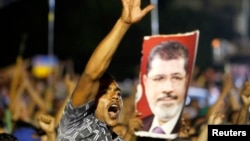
(80, 124)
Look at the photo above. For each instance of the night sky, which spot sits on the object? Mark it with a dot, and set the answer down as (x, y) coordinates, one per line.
(24, 18)
(81, 24)
(78, 28)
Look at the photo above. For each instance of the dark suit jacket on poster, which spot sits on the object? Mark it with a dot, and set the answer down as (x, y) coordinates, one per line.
(147, 122)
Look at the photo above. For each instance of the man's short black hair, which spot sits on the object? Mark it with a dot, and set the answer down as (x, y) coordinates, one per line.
(105, 81)
(107, 77)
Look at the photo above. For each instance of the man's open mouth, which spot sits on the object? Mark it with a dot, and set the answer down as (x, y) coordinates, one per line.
(113, 111)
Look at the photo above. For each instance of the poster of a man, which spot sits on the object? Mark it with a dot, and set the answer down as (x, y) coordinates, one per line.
(166, 68)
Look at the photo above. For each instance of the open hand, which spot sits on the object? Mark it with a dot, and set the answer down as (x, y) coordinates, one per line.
(132, 11)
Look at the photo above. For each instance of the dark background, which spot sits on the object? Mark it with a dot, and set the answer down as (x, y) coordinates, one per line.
(81, 24)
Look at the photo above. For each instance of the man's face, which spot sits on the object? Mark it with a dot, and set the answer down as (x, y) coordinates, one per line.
(109, 105)
(165, 86)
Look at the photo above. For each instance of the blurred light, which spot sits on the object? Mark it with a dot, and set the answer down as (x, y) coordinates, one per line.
(43, 65)
(216, 43)
(188, 100)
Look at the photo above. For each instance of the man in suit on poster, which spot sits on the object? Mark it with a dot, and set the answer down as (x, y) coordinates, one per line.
(165, 81)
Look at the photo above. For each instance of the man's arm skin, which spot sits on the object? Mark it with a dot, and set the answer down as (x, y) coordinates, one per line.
(87, 87)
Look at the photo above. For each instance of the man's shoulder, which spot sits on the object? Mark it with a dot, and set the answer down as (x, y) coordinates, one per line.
(148, 118)
(147, 122)
(78, 111)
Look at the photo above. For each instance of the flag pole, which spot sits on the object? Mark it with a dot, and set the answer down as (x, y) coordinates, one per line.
(154, 18)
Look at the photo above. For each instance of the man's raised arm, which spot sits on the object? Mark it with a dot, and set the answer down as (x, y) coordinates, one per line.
(99, 61)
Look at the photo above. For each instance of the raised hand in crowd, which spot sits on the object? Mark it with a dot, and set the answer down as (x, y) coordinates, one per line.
(225, 91)
(244, 110)
(47, 123)
(135, 124)
(216, 117)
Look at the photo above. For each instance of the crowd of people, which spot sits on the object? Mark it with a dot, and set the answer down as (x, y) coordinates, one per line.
(67, 106)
